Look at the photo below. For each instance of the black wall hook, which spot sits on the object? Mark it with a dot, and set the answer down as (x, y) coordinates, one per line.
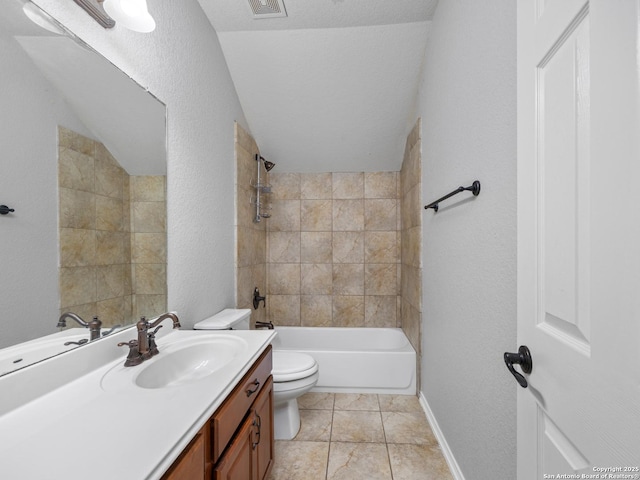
(473, 188)
(4, 210)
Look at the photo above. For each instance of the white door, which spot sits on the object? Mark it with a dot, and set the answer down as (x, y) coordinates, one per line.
(579, 238)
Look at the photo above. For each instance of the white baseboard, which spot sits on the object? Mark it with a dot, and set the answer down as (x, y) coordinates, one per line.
(444, 446)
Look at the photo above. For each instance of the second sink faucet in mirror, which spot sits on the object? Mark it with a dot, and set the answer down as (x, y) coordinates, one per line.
(93, 326)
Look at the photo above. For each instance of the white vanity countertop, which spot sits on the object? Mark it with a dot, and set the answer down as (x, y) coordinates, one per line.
(84, 430)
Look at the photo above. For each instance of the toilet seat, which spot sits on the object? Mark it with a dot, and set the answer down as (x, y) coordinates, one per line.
(290, 366)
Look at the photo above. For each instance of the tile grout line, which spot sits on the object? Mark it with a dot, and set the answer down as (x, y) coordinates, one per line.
(386, 443)
(333, 409)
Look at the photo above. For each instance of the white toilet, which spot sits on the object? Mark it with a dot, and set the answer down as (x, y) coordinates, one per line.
(294, 373)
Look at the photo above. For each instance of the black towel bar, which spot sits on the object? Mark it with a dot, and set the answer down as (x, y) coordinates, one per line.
(473, 188)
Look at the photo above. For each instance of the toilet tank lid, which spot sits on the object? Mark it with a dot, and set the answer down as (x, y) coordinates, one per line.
(224, 320)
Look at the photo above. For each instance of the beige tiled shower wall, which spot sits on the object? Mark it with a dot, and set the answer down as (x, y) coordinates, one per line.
(250, 236)
(411, 208)
(333, 249)
(112, 230)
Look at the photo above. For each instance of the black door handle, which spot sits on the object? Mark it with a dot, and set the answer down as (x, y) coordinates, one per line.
(523, 358)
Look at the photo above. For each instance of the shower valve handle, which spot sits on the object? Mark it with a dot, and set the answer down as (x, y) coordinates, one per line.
(257, 299)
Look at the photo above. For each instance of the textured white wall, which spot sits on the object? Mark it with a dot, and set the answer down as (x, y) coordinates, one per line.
(182, 64)
(467, 102)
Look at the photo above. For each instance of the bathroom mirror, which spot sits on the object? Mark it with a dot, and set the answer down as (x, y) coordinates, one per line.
(83, 166)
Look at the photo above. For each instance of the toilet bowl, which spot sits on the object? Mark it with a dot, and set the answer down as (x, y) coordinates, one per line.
(294, 373)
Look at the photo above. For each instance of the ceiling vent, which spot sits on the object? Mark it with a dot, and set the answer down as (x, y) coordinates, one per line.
(267, 8)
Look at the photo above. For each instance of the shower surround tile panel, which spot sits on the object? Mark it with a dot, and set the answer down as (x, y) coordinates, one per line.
(316, 278)
(348, 185)
(381, 247)
(378, 309)
(284, 247)
(348, 247)
(380, 184)
(251, 238)
(380, 214)
(316, 310)
(316, 215)
(327, 212)
(315, 186)
(315, 247)
(411, 212)
(348, 215)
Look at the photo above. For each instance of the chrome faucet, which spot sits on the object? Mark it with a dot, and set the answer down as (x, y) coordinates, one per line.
(93, 326)
(145, 346)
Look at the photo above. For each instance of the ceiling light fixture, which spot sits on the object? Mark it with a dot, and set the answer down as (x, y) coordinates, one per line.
(131, 14)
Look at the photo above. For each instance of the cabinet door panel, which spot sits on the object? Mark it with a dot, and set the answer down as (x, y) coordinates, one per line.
(238, 462)
(263, 408)
(190, 464)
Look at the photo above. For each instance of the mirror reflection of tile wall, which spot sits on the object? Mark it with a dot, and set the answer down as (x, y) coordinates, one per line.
(112, 233)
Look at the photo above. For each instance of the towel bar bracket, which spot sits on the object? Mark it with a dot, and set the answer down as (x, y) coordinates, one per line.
(4, 210)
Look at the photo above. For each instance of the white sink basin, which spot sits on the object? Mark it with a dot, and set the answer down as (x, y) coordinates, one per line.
(189, 363)
(180, 362)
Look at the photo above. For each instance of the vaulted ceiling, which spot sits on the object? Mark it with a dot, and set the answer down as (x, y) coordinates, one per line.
(331, 86)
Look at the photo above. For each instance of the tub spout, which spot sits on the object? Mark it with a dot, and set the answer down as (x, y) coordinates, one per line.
(268, 325)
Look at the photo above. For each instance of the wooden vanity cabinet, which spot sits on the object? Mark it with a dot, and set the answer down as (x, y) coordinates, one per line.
(250, 453)
(237, 442)
(191, 462)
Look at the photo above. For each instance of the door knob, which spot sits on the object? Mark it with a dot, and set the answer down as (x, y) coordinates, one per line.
(522, 358)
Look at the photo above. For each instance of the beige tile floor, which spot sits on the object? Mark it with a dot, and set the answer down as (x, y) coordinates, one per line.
(353, 436)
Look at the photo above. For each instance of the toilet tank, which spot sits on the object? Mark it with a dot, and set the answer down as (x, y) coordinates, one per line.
(227, 319)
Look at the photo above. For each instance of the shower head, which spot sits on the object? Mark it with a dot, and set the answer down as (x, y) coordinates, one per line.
(267, 164)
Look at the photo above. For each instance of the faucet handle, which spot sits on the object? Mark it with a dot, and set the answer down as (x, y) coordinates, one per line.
(134, 358)
(153, 347)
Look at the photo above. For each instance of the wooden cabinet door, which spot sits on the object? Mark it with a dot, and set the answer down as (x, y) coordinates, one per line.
(263, 408)
(190, 464)
(238, 462)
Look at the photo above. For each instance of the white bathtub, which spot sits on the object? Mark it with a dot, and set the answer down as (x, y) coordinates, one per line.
(355, 360)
